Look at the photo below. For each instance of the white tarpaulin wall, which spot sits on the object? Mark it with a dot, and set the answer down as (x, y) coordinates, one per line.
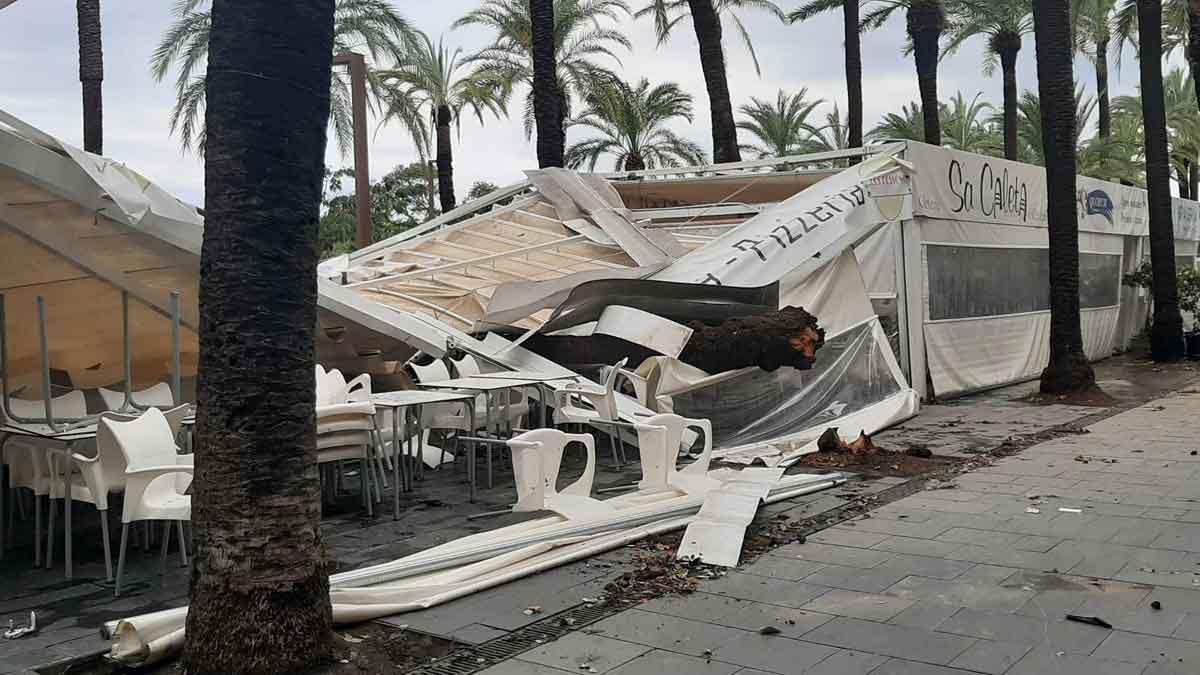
(978, 264)
(805, 244)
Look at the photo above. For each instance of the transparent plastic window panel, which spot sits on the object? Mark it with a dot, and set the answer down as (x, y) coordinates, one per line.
(850, 374)
(971, 281)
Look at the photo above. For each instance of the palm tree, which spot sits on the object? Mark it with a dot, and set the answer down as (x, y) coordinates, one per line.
(359, 24)
(906, 125)
(706, 20)
(834, 134)
(1166, 335)
(580, 41)
(548, 106)
(1029, 125)
(965, 123)
(781, 128)
(260, 576)
(1068, 368)
(1093, 19)
(1003, 23)
(91, 73)
(966, 126)
(431, 85)
(925, 21)
(1183, 124)
(852, 34)
(631, 121)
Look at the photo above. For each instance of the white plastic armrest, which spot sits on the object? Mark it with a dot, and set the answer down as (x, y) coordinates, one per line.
(702, 462)
(159, 470)
(359, 388)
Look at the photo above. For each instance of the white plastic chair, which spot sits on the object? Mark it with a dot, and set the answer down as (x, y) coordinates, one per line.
(660, 439)
(103, 474)
(28, 463)
(157, 396)
(151, 491)
(568, 407)
(517, 402)
(642, 387)
(537, 459)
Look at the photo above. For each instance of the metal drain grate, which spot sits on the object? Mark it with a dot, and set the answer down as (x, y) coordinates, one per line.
(473, 659)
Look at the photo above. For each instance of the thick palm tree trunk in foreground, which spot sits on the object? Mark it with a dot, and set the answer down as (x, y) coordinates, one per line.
(445, 159)
(260, 584)
(1068, 369)
(91, 73)
(547, 99)
(1166, 335)
(854, 96)
(712, 62)
(926, 21)
(1193, 46)
(1008, 45)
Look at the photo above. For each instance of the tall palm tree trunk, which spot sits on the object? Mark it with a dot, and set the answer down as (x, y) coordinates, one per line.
(91, 73)
(926, 21)
(445, 159)
(1183, 172)
(1193, 46)
(259, 583)
(1166, 335)
(854, 96)
(1068, 369)
(1008, 45)
(1194, 180)
(712, 63)
(547, 98)
(1102, 101)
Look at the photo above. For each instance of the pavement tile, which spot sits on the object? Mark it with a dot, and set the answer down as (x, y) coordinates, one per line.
(1049, 661)
(764, 589)
(859, 605)
(1035, 542)
(659, 662)
(1135, 618)
(927, 547)
(991, 656)
(699, 606)
(833, 554)
(1144, 648)
(847, 662)
(792, 569)
(966, 535)
(925, 614)
(846, 536)
(925, 566)
(891, 640)
(961, 594)
(477, 634)
(574, 651)
(855, 579)
(774, 653)
(1063, 635)
(684, 636)
(903, 667)
(519, 667)
(790, 622)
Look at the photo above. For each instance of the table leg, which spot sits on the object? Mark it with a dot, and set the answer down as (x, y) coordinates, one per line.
(542, 412)
(3, 497)
(492, 413)
(418, 449)
(470, 404)
(396, 461)
(67, 501)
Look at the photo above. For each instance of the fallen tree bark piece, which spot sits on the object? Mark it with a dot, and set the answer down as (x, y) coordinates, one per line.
(787, 337)
(830, 441)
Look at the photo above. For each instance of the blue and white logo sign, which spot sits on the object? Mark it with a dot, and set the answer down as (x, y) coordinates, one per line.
(1097, 202)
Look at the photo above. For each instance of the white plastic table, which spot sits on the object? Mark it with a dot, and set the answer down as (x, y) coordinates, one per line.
(479, 384)
(406, 400)
(68, 435)
(541, 378)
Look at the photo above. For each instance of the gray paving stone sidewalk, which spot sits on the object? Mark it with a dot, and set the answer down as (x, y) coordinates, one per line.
(974, 579)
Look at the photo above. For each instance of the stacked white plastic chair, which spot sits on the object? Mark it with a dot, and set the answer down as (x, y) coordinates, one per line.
(157, 396)
(97, 476)
(537, 460)
(346, 426)
(146, 443)
(569, 409)
(660, 439)
(27, 460)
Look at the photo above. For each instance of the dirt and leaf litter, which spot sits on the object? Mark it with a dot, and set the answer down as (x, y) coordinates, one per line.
(862, 455)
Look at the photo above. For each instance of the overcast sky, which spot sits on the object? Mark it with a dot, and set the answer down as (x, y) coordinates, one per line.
(39, 82)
